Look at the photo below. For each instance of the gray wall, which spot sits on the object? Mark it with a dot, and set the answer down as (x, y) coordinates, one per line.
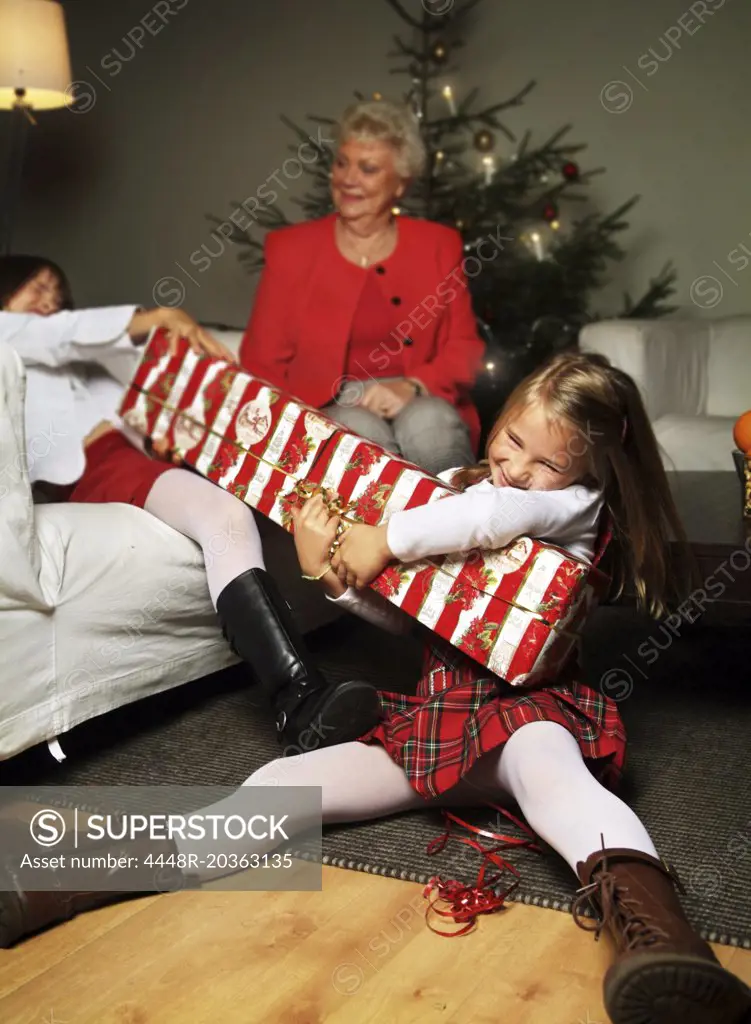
(118, 194)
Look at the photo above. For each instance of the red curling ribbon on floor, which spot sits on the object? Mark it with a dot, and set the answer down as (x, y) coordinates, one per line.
(465, 903)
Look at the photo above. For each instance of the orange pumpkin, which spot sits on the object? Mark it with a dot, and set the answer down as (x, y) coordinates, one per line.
(742, 432)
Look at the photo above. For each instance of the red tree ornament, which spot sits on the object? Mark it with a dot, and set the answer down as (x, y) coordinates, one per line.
(570, 171)
(550, 212)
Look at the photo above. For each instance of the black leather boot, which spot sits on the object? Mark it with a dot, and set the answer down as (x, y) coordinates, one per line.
(310, 713)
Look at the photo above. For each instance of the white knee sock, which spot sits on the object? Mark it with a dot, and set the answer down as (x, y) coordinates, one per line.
(219, 522)
(358, 781)
(542, 767)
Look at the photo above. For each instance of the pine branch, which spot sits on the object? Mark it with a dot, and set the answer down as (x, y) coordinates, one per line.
(405, 51)
(652, 303)
(405, 15)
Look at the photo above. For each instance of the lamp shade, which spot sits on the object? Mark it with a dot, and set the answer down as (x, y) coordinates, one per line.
(34, 54)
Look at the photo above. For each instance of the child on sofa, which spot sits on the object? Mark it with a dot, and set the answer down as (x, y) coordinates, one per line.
(72, 359)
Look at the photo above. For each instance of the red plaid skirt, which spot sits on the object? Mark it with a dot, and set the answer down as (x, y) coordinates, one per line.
(460, 713)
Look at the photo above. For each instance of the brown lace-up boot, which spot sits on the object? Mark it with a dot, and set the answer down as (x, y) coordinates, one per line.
(663, 972)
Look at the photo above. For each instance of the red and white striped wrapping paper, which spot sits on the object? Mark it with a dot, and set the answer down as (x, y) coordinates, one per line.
(516, 610)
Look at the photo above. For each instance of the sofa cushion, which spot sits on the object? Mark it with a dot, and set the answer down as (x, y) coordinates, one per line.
(696, 442)
(729, 367)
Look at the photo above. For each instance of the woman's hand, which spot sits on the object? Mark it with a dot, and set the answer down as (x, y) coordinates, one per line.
(315, 531)
(178, 324)
(389, 398)
(363, 554)
(404, 390)
(382, 401)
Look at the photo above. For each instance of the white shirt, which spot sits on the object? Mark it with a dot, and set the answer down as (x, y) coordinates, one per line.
(483, 516)
(77, 364)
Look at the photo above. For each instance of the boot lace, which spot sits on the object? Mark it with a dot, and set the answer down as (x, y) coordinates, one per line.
(619, 911)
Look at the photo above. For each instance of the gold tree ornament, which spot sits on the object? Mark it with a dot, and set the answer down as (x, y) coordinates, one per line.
(484, 140)
(439, 53)
(377, 96)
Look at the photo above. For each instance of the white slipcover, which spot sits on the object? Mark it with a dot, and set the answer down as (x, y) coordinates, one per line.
(99, 604)
(695, 376)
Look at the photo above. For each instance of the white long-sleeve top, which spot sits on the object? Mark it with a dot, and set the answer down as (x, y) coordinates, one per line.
(483, 516)
(77, 364)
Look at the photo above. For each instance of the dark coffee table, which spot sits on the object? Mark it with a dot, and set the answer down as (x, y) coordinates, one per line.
(710, 508)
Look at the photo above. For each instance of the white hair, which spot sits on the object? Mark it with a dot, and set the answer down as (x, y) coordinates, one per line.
(392, 123)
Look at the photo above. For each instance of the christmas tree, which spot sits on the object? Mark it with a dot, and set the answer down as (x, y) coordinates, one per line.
(534, 295)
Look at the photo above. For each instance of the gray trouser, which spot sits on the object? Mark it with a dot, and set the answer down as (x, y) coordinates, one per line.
(428, 431)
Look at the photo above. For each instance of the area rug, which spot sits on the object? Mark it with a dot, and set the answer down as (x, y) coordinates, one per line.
(687, 712)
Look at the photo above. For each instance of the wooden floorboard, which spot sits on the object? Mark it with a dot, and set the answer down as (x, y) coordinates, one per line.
(357, 952)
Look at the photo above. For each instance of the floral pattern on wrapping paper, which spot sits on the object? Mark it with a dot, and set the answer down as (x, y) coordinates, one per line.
(478, 639)
(216, 390)
(239, 490)
(289, 503)
(475, 579)
(363, 459)
(371, 503)
(225, 458)
(157, 348)
(390, 580)
(163, 385)
(296, 453)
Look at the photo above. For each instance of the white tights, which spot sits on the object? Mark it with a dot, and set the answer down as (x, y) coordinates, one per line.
(219, 522)
(541, 767)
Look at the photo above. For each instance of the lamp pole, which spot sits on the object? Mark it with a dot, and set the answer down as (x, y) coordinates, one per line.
(20, 119)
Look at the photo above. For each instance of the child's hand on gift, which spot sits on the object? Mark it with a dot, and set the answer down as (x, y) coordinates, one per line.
(362, 554)
(315, 532)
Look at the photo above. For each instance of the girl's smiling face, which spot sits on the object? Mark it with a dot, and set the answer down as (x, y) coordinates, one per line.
(41, 294)
(533, 453)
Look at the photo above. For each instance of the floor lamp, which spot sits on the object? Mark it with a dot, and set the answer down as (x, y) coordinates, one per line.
(34, 75)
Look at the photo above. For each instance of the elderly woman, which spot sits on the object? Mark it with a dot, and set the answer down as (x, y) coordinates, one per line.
(367, 315)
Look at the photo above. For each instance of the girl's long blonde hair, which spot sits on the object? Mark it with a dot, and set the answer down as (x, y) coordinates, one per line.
(603, 404)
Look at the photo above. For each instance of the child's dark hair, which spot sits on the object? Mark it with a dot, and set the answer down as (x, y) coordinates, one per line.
(604, 404)
(16, 270)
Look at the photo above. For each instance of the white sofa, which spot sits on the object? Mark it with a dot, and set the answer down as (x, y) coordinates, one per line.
(695, 376)
(101, 605)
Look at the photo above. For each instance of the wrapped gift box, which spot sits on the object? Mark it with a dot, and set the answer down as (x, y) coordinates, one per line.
(516, 611)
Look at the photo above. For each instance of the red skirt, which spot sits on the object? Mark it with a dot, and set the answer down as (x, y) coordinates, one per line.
(460, 713)
(117, 471)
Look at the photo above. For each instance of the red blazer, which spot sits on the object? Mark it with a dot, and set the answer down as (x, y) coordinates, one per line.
(299, 328)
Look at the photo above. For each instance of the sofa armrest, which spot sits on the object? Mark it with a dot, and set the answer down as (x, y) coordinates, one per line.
(20, 556)
(667, 359)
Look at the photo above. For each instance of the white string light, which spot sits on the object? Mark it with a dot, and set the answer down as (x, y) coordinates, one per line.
(448, 95)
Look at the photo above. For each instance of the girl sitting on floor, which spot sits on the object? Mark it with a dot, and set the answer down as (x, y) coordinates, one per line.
(572, 444)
